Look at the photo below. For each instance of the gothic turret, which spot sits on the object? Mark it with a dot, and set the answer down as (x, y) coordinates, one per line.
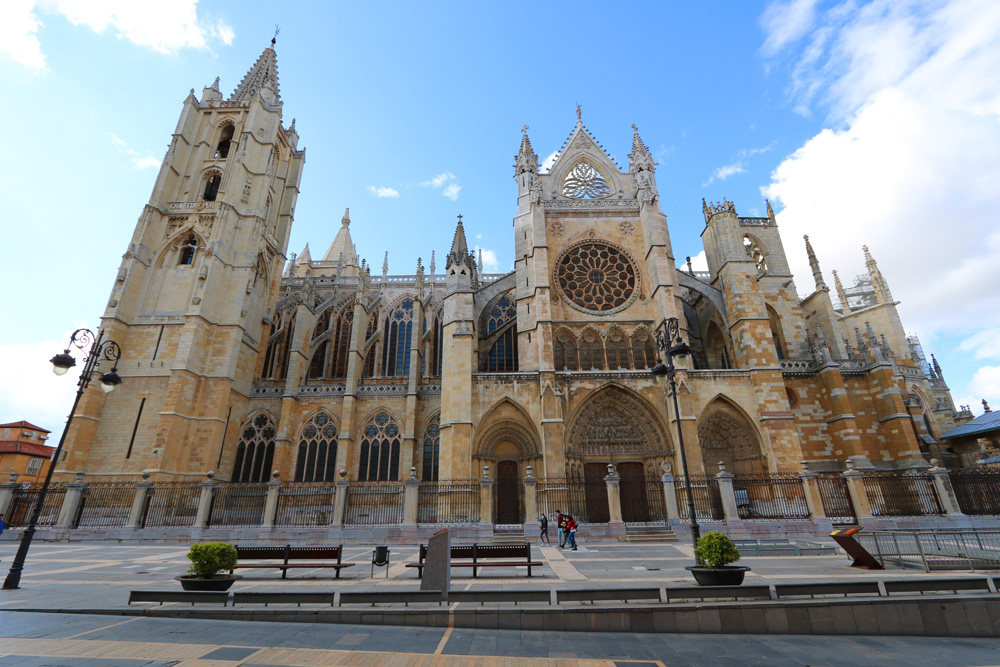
(841, 294)
(342, 248)
(262, 78)
(643, 168)
(525, 161)
(461, 264)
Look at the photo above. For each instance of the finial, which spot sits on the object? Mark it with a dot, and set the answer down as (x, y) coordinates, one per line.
(432, 263)
(346, 220)
(291, 128)
(986, 406)
(274, 40)
(215, 84)
(459, 218)
(524, 129)
(690, 267)
(479, 266)
(385, 264)
(579, 114)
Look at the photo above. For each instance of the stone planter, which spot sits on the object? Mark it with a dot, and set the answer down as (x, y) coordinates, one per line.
(730, 575)
(218, 583)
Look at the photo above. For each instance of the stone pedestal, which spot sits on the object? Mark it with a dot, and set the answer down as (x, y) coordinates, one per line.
(339, 503)
(810, 487)
(486, 499)
(71, 503)
(945, 491)
(670, 496)
(531, 522)
(613, 482)
(205, 504)
(856, 489)
(271, 502)
(142, 491)
(726, 493)
(410, 499)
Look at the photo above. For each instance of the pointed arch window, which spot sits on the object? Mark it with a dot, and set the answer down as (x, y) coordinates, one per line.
(255, 451)
(617, 350)
(643, 352)
(380, 444)
(212, 184)
(396, 341)
(591, 352)
(318, 363)
(502, 357)
(278, 350)
(755, 249)
(225, 141)
(330, 358)
(432, 451)
(188, 248)
(434, 353)
(372, 355)
(564, 352)
(317, 456)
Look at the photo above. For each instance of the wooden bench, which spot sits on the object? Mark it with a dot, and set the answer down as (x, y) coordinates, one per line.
(193, 597)
(288, 553)
(484, 555)
(844, 588)
(266, 598)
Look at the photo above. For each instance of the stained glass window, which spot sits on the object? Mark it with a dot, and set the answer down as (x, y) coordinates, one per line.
(379, 450)
(585, 182)
(317, 456)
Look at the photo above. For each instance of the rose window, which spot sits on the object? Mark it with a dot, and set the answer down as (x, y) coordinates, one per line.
(585, 182)
(597, 277)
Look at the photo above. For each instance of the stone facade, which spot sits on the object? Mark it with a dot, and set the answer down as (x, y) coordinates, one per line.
(326, 371)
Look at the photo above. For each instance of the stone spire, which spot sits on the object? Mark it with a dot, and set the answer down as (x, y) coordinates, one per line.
(420, 280)
(262, 77)
(459, 246)
(937, 367)
(525, 161)
(882, 294)
(342, 247)
(770, 211)
(814, 265)
(461, 265)
(304, 256)
(841, 294)
(432, 263)
(986, 406)
(385, 266)
(290, 269)
(639, 159)
(479, 264)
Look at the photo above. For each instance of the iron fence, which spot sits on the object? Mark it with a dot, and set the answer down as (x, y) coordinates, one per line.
(306, 504)
(893, 494)
(770, 496)
(970, 549)
(642, 501)
(836, 499)
(706, 495)
(105, 505)
(171, 504)
(237, 504)
(374, 503)
(451, 501)
(978, 491)
(25, 499)
(566, 495)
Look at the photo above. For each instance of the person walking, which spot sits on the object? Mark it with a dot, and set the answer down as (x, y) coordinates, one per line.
(571, 526)
(561, 528)
(543, 524)
(2, 524)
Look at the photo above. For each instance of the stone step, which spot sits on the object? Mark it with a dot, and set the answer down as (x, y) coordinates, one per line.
(649, 534)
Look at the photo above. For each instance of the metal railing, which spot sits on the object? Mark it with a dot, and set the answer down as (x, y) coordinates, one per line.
(171, 504)
(895, 494)
(643, 502)
(238, 504)
(837, 504)
(306, 504)
(25, 499)
(449, 502)
(978, 491)
(105, 505)
(707, 498)
(770, 496)
(374, 504)
(969, 549)
(566, 495)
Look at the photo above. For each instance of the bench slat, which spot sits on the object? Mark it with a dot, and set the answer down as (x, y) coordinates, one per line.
(718, 592)
(205, 597)
(832, 588)
(265, 598)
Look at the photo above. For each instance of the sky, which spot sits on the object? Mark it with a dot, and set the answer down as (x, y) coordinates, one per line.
(865, 123)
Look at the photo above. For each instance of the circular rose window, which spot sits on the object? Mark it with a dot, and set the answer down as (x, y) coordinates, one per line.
(597, 277)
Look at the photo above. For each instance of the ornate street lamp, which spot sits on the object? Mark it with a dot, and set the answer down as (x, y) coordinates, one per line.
(670, 344)
(100, 350)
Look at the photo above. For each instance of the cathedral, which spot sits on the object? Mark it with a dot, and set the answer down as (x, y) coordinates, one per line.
(243, 359)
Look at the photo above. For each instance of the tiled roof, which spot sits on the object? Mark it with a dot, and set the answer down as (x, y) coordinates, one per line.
(981, 424)
(12, 446)
(24, 424)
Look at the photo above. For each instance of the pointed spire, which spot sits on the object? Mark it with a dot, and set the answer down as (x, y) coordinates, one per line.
(937, 367)
(770, 211)
(814, 265)
(291, 128)
(342, 246)
(346, 220)
(432, 263)
(479, 265)
(459, 246)
(263, 74)
(420, 280)
(639, 159)
(215, 84)
(385, 266)
(304, 257)
(525, 161)
(841, 294)
(882, 294)
(290, 269)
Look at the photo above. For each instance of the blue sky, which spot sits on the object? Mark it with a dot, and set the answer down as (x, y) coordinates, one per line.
(864, 122)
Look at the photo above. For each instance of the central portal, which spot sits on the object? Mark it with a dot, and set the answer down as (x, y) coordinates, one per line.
(507, 499)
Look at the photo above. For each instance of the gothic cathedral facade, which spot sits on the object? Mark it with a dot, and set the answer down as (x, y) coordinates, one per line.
(242, 360)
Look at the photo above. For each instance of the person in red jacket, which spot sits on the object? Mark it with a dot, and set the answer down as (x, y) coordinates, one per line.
(571, 526)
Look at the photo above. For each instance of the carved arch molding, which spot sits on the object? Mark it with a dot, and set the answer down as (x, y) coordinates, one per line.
(506, 430)
(726, 438)
(617, 423)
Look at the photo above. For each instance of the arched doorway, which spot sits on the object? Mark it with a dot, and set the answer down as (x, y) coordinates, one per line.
(506, 441)
(507, 495)
(724, 435)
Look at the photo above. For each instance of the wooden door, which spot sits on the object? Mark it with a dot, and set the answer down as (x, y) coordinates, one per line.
(635, 504)
(596, 492)
(507, 501)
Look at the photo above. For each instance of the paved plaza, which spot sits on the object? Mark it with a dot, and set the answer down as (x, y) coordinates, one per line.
(98, 576)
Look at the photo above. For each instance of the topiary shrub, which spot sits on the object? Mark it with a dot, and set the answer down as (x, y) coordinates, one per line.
(210, 558)
(716, 550)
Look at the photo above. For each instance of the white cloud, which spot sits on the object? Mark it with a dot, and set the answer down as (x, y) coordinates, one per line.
(985, 384)
(786, 22)
(447, 181)
(439, 180)
(490, 262)
(166, 27)
(138, 160)
(725, 171)
(451, 192)
(983, 345)
(909, 165)
(383, 192)
(698, 263)
(548, 162)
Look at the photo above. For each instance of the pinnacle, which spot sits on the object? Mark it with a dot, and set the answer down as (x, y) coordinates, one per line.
(346, 220)
(263, 74)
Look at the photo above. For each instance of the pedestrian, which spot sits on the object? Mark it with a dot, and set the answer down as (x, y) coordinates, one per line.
(561, 528)
(2, 524)
(571, 526)
(543, 524)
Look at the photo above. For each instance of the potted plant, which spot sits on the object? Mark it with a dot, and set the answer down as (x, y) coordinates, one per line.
(207, 561)
(714, 553)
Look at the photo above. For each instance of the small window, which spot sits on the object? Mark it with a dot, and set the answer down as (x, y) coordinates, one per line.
(29, 434)
(34, 465)
(187, 251)
(212, 187)
(225, 140)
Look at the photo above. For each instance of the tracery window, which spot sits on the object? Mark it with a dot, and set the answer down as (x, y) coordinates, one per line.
(597, 277)
(755, 249)
(317, 459)
(502, 357)
(617, 350)
(591, 352)
(433, 354)
(585, 182)
(379, 450)
(564, 352)
(396, 340)
(330, 359)
(278, 350)
(188, 249)
(643, 351)
(432, 451)
(255, 453)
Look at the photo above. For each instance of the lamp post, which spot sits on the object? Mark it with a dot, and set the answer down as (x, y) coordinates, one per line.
(100, 350)
(669, 343)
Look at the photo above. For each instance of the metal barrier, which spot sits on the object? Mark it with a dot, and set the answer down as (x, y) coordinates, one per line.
(171, 504)
(770, 496)
(374, 504)
(105, 505)
(837, 504)
(935, 549)
(566, 495)
(25, 499)
(978, 491)
(238, 504)
(895, 494)
(452, 501)
(707, 498)
(643, 502)
(305, 504)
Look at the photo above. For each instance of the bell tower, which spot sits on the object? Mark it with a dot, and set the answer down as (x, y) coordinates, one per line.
(192, 295)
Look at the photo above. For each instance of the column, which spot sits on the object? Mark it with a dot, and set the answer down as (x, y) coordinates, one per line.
(142, 490)
(410, 498)
(810, 486)
(205, 501)
(7, 490)
(486, 498)
(271, 502)
(945, 491)
(71, 503)
(856, 489)
(612, 480)
(727, 494)
(339, 503)
(670, 496)
(530, 504)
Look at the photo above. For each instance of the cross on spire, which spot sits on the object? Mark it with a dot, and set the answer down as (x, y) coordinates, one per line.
(460, 217)
(524, 129)
(274, 39)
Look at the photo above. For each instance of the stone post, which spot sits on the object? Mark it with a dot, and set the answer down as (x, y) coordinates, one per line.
(339, 503)
(670, 496)
(486, 498)
(203, 516)
(142, 490)
(945, 491)
(810, 486)
(728, 495)
(7, 490)
(71, 502)
(613, 481)
(271, 503)
(410, 497)
(530, 504)
(856, 489)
